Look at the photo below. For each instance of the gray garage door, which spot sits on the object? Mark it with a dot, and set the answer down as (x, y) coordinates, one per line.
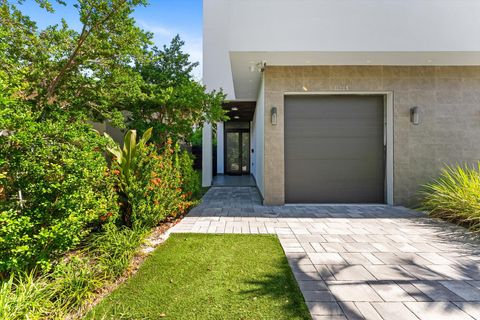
(334, 149)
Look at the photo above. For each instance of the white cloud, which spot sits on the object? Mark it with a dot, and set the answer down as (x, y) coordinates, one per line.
(156, 29)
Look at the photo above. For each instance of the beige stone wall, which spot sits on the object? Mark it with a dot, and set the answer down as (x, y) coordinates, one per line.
(449, 129)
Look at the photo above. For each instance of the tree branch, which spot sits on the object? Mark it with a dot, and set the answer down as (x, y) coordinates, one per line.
(71, 60)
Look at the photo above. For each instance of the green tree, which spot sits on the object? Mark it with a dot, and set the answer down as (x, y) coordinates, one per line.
(54, 183)
(172, 101)
(87, 72)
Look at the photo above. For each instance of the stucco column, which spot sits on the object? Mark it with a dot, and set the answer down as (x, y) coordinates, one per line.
(207, 155)
(220, 144)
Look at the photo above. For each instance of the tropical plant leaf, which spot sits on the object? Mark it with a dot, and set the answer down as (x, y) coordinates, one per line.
(117, 153)
(146, 136)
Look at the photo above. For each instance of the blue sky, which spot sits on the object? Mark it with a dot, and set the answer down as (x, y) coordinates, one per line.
(164, 18)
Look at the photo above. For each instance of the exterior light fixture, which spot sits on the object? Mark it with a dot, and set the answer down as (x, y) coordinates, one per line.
(414, 116)
(273, 113)
(258, 67)
(236, 117)
(234, 109)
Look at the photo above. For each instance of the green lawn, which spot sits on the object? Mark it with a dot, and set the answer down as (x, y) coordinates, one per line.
(200, 276)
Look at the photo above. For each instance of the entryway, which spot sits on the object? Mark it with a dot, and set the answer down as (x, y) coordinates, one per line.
(237, 148)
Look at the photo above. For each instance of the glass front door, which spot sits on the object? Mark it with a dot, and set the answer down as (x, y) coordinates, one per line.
(237, 151)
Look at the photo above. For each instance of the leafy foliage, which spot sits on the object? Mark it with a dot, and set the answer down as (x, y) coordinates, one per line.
(114, 249)
(153, 189)
(25, 296)
(55, 188)
(59, 69)
(455, 196)
(92, 72)
(196, 138)
(190, 182)
(73, 282)
(126, 156)
(172, 102)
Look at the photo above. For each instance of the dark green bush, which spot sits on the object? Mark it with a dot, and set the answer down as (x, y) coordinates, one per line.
(55, 187)
(455, 196)
(191, 182)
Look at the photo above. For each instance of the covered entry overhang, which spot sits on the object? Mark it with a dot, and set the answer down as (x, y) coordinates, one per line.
(240, 110)
(238, 125)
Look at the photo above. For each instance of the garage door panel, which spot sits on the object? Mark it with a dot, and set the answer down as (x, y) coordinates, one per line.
(334, 149)
(325, 129)
(338, 170)
(348, 107)
(334, 106)
(314, 123)
(355, 196)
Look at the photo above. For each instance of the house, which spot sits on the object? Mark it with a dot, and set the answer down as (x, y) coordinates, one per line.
(342, 101)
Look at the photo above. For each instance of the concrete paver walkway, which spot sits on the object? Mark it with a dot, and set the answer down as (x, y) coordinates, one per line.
(358, 262)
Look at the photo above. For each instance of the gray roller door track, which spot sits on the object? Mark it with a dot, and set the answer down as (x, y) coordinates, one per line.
(334, 149)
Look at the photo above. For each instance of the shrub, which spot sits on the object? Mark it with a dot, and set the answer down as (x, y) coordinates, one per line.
(54, 187)
(455, 196)
(156, 191)
(154, 188)
(191, 182)
(127, 160)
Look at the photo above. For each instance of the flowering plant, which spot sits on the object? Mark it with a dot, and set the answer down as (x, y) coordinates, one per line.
(154, 188)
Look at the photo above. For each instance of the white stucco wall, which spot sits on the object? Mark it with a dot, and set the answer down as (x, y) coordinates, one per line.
(356, 26)
(220, 148)
(258, 138)
(352, 25)
(207, 172)
(216, 64)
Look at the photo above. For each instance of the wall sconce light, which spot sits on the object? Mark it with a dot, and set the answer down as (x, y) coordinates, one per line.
(258, 67)
(414, 116)
(273, 113)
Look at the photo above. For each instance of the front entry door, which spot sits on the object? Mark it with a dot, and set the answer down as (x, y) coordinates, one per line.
(237, 151)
